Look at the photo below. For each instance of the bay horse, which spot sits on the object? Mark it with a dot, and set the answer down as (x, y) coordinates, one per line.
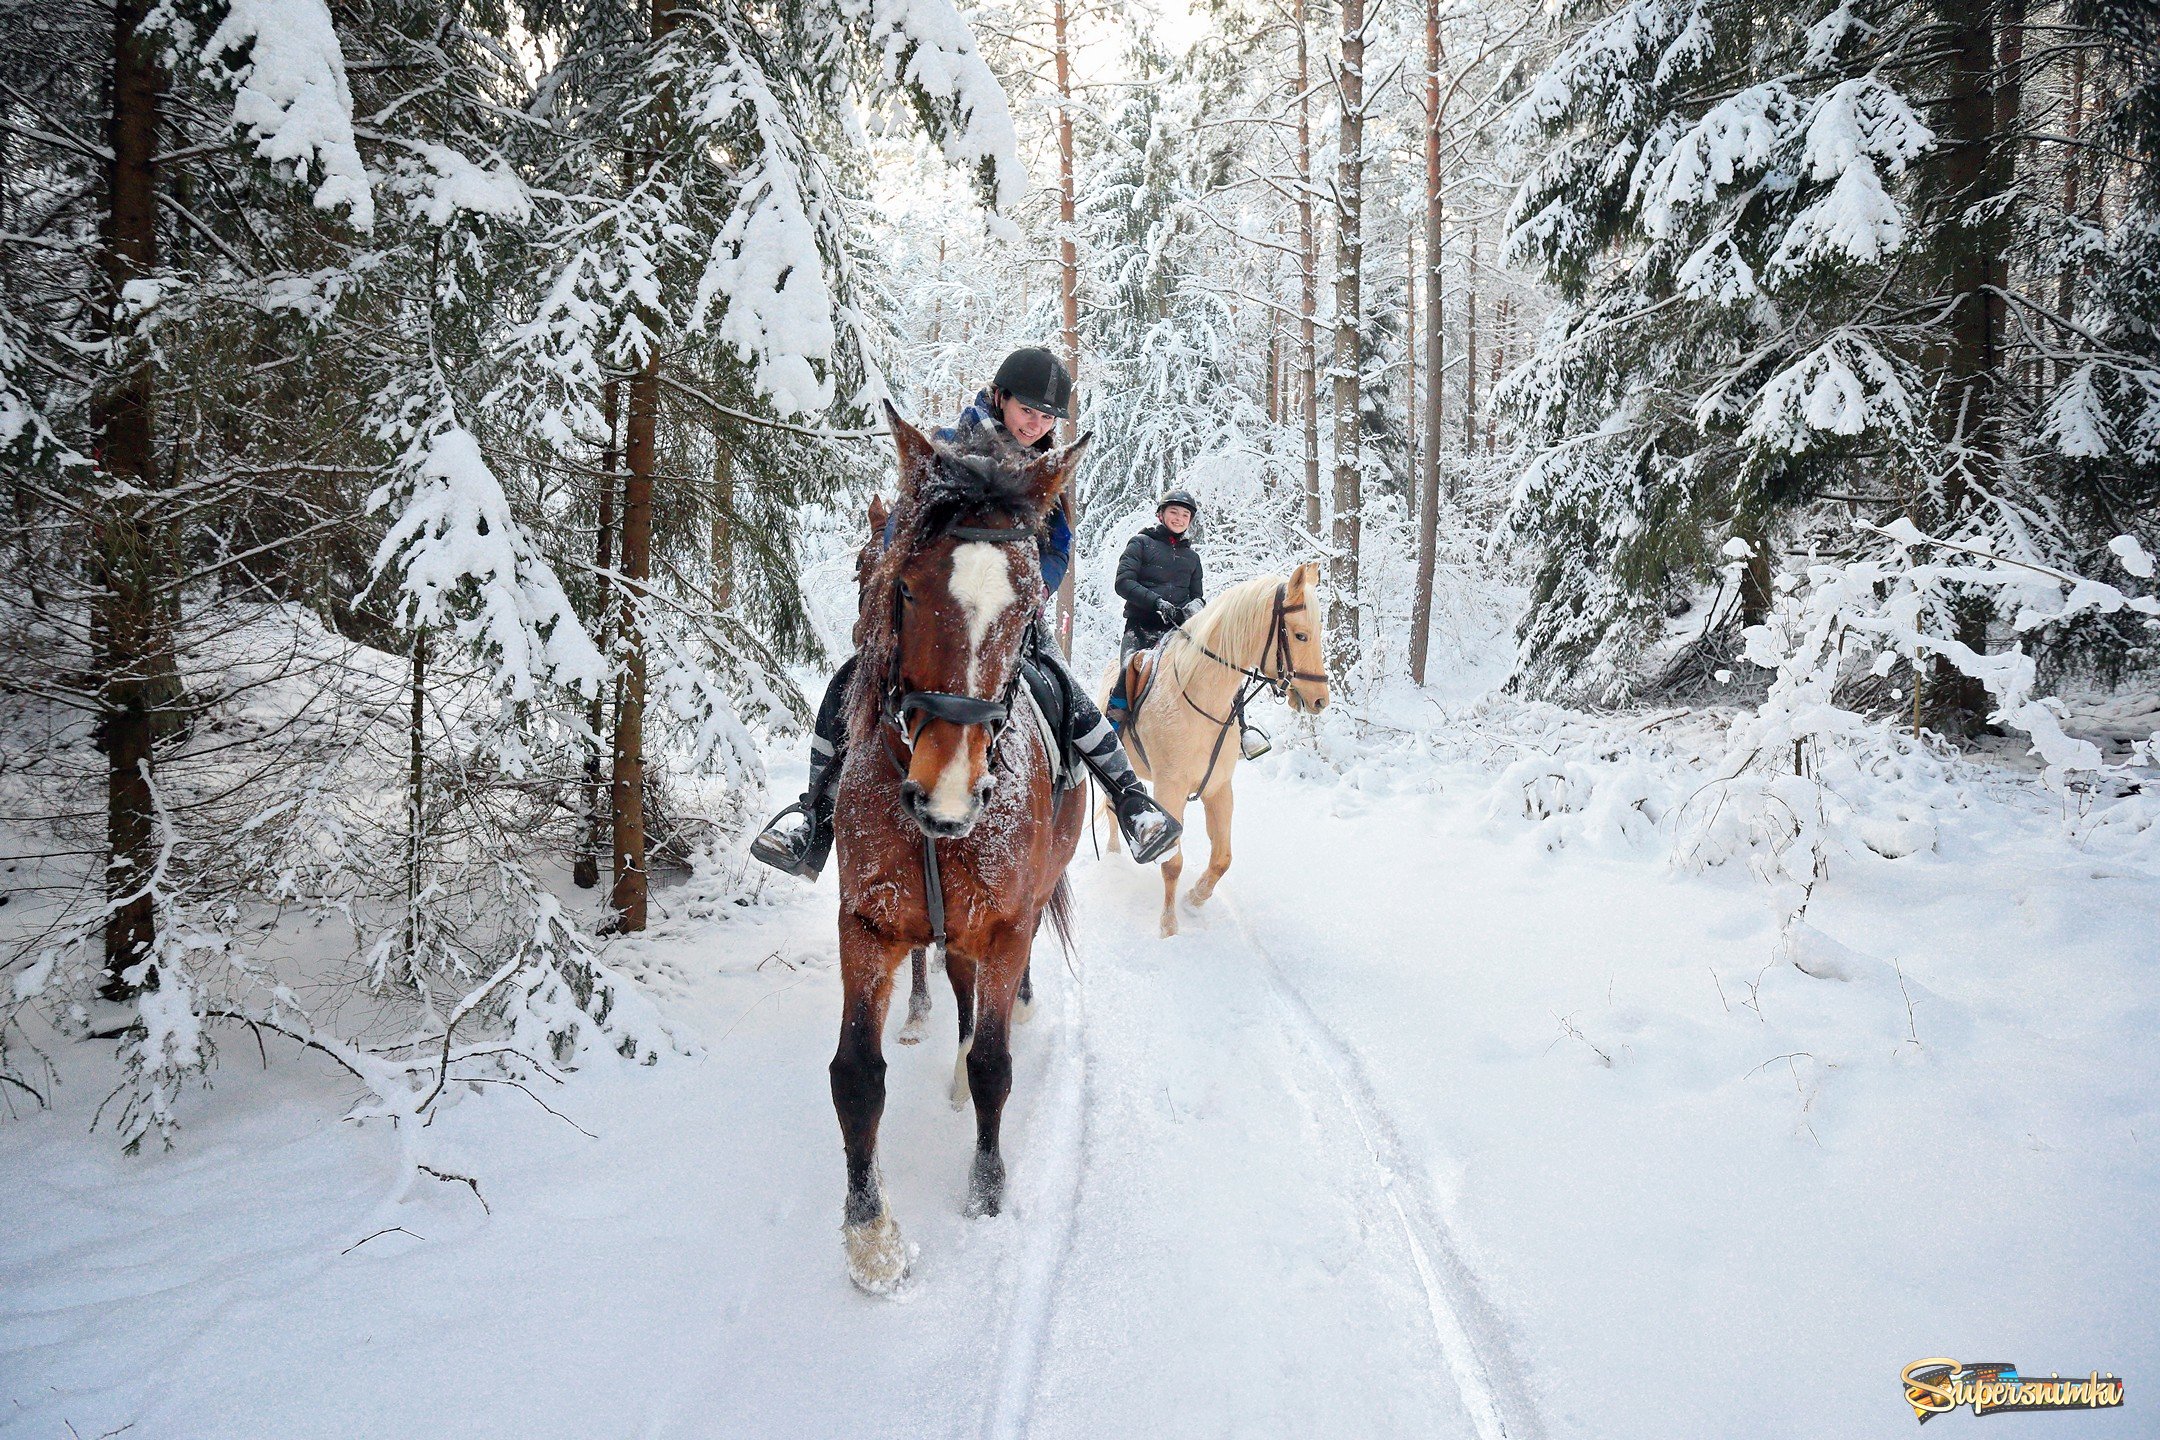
(1188, 696)
(948, 825)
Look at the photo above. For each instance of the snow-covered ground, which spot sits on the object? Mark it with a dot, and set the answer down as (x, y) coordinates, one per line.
(1442, 1121)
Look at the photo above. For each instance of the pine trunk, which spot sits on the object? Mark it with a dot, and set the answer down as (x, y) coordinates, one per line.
(626, 792)
(134, 653)
(626, 798)
(1349, 261)
(416, 800)
(585, 869)
(1428, 482)
(723, 524)
(1308, 284)
(1069, 294)
(1469, 403)
(1975, 179)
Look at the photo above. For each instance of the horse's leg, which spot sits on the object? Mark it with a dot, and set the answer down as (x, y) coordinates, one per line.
(1218, 839)
(918, 1000)
(1173, 866)
(961, 971)
(989, 1071)
(876, 1255)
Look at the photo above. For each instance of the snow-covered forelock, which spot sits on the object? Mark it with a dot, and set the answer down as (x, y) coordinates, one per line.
(291, 96)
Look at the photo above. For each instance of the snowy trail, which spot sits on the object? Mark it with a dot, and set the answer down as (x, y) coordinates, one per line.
(1347, 1157)
(1233, 1264)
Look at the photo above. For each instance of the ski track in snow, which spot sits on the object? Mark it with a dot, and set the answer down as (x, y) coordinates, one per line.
(1435, 1345)
(1465, 1326)
(1049, 1217)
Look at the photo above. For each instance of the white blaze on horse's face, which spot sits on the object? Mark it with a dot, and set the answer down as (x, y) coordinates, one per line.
(982, 583)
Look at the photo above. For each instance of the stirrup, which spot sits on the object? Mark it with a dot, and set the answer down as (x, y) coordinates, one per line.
(802, 857)
(1253, 742)
(1147, 852)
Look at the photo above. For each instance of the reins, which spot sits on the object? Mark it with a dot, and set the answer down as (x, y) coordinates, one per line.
(1277, 649)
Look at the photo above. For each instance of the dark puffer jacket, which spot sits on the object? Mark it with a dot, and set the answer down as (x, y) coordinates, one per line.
(1157, 577)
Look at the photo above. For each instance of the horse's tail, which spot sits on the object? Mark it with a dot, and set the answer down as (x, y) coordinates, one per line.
(1060, 912)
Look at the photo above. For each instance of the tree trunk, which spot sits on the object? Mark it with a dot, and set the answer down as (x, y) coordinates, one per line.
(1349, 325)
(1411, 414)
(723, 524)
(1469, 402)
(1435, 360)
(416, 800)
(585, 869)
(626, 792)
(2073, 167)
(134, 655)
(1971, 396)
(1501, 310)
(1069, 294)
(1308, 284)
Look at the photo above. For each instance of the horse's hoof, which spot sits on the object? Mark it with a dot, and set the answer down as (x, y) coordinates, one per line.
(1023, 1011)
(1169, 925)
(986, 1187)
(911, 1033)
(877, 1258)
(1198, 895)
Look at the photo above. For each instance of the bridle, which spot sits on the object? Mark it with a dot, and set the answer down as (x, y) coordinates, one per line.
(1275, 653)
(900, 703)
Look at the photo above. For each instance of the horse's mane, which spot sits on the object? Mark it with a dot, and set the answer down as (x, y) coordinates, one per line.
(1234, 625)
(981, 476)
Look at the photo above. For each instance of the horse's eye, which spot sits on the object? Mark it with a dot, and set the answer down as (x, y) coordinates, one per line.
(1303, 637)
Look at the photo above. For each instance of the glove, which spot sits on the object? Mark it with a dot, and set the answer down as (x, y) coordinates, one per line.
(1170, 613)
(1192, 608)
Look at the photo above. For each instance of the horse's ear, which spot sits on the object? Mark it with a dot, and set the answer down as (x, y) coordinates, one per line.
(879, 513)
(1049, 476)
(914, 451)
(1302, 580)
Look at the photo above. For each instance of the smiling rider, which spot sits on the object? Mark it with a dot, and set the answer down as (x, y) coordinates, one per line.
(1030, 393)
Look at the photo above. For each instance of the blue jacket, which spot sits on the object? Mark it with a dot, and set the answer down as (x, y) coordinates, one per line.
(1055, 543)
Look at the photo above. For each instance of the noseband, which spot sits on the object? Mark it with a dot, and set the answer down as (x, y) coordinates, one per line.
(939, 704)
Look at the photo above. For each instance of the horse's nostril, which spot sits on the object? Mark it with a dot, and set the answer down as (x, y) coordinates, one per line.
(912, 794)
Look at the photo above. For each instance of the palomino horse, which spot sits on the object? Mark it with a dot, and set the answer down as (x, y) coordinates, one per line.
(948, 825)
(1189, 695)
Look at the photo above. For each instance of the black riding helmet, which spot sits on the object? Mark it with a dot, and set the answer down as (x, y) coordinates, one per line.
(1038, 380)
(1178, 497)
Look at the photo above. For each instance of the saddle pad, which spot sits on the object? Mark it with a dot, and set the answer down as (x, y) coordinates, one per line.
(1060, 776)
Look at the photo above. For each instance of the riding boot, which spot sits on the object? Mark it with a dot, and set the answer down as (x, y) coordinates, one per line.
(798, 839)
(1146, 826)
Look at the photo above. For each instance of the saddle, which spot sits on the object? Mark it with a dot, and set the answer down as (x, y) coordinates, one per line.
(1136, 678)
(1050, 690)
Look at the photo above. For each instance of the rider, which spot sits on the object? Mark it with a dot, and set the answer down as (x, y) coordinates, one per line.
(1030, 393)
(1159, 578)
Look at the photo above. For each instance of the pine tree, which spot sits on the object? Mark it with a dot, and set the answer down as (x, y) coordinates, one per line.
(1786, 237)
